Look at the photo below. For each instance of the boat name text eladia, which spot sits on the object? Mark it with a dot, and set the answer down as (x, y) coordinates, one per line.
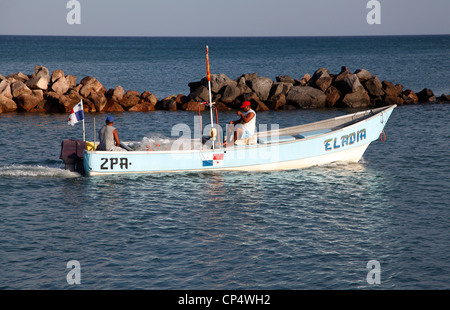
(345, 140)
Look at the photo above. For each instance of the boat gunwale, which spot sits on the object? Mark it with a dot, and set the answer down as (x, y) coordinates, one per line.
(374, 112)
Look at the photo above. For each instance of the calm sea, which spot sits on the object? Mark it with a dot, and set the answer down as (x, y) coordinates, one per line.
(314, 228)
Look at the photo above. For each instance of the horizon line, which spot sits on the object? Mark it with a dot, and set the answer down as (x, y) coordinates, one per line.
(221, 36)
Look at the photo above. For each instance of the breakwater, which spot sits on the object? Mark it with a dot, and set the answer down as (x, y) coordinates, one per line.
(42, 92)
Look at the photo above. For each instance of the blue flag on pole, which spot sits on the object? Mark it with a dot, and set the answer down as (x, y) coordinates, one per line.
(77, 114)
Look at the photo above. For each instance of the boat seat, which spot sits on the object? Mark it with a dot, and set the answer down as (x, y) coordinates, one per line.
(247, 141)
(275, 139)
(312, 133)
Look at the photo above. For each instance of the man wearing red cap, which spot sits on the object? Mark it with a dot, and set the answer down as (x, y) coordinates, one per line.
(245, 127)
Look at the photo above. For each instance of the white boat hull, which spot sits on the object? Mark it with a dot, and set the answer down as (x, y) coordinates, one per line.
(341, 139)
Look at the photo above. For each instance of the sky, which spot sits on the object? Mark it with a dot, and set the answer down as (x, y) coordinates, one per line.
(224, 17)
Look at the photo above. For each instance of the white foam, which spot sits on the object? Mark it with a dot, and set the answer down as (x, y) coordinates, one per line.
(35, 171)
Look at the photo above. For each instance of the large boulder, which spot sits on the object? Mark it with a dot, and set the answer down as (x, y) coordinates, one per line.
(357, 99)
(62, 103)
(279, 88)
(57, 74)
(27, 102)
(115, 94)
(148, 101)
(193, 106)
(18, 77)
(243, 87)
(19, 88)
(217, 82)
(333, 95)
(321, 79)
(119, 92)
(38, 82)
(305, 79)
(200, 94)
(261, 86)
(90, 84)
(391, 90)
(99, 100)
(363, 75)
(306, 97)
(72, 80)
(41, 71)
(229, 93)
(347, 83)
(61, 85)
(277, 102)
(323, 83)
(285, 79)
(169, 103)
(130, 99)
(142, 107)
(444, 98)
(410, 97)
(113, 106)
(5, 89)
(426, 95)
(248, 76)
(7, 104)
(374, 87)
(390, 100)
(194, 85)
(320, 73)
(38, 93)
(151, 98)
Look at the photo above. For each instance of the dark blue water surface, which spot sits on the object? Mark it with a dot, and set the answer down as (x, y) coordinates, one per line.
(165, 66)
(307, 229)
(314, 228)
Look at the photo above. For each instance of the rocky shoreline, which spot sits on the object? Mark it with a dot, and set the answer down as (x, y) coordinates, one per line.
(42, 92)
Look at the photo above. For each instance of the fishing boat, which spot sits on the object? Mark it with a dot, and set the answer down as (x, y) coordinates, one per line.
(340, 139)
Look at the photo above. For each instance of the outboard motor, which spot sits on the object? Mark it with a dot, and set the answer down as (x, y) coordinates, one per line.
(72, 154)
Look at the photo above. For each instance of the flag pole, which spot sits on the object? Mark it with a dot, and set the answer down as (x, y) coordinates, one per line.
(94, 135)
(84, 131)
(208, 73)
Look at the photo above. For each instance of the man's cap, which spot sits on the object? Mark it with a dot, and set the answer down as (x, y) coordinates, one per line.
(246, 103)
(110, 119)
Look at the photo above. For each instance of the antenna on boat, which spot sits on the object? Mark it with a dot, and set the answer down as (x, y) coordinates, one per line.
(95, 142)
(213, 132)
(84, 129)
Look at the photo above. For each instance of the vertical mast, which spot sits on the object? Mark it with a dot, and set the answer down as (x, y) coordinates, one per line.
(84, 130)
(208, 73)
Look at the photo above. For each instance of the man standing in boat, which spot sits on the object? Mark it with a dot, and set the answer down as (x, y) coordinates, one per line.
(109, 137)
(245, 127)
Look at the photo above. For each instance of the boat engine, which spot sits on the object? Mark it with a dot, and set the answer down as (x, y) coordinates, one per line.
(72, 154)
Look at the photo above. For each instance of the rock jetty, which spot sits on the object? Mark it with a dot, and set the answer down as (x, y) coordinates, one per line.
(58, 93)
(323, 89)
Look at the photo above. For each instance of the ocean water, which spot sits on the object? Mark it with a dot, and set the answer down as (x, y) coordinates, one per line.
(165, 66)
(314, 228)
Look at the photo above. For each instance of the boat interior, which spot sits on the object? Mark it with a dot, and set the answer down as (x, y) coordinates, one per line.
(281, 135)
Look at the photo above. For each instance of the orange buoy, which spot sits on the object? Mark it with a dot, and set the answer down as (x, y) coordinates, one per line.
(383, 136)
